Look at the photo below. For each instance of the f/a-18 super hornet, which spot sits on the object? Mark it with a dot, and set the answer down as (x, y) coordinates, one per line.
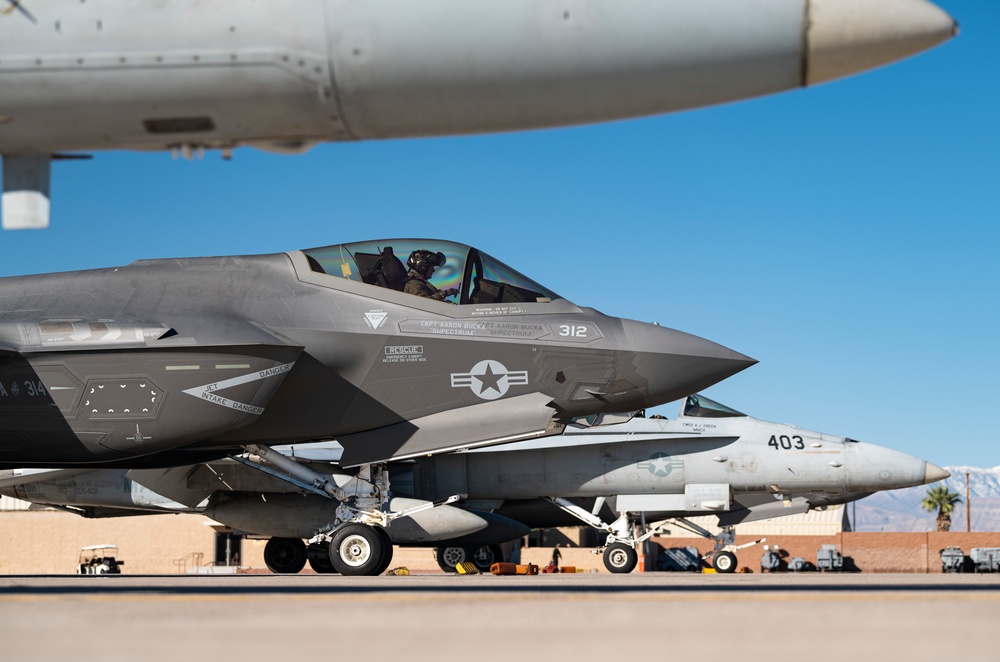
(284, 75)
(172, 361)
(710, 460)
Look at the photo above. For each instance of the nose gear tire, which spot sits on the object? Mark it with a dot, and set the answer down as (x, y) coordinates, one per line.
(620, 558)
(724, 562)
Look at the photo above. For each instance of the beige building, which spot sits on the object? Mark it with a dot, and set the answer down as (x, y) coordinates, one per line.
(827, 522)
(48, 542)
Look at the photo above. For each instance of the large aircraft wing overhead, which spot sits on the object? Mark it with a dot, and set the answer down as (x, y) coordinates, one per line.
(525, 417)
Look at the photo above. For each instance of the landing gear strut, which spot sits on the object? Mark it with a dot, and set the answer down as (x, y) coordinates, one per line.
(723, 557)
(620, 555)
(356, 541)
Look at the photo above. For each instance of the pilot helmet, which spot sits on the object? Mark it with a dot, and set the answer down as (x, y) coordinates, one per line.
(421, 260)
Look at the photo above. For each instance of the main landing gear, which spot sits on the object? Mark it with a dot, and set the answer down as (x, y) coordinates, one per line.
(285, 555)
(620, 555)
(483, 557)
(723, 557)
(356, 542)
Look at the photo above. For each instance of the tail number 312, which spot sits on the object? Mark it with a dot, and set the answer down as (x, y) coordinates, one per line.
(572, 331)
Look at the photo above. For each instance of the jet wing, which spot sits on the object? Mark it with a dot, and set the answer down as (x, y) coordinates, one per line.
(18, 477)
(172, 483)
(524, 417)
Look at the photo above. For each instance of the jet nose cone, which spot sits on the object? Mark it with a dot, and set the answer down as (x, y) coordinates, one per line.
(674, 364)
(934, 473)
(872, 468)
(847, 36)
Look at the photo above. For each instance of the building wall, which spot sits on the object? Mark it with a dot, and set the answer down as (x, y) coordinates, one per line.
(49, 542)
(8, 503)
(826, 522)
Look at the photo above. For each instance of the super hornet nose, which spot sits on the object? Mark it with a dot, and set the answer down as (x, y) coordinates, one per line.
(933, 473)
(844, 37)
(873, 468)
(674, 364)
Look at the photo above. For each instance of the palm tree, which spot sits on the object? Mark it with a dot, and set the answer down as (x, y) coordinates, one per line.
(943, 500)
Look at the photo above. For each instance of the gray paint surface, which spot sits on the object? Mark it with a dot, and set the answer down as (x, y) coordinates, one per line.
(657, 462)
(128, 365)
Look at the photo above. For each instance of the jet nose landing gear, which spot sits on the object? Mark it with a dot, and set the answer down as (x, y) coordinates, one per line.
(620, 558)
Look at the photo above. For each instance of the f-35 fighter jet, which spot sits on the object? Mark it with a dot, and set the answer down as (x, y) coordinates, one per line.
(174, 361)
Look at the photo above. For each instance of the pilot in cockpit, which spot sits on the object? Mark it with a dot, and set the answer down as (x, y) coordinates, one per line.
(421, 265)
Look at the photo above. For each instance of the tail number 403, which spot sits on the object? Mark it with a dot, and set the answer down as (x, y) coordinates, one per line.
(787, 443)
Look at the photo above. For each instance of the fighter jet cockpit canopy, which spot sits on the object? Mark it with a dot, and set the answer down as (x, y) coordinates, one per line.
(698, 406)
(475, 277)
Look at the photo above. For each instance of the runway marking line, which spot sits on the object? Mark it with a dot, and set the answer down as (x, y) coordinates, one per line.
(479, 598)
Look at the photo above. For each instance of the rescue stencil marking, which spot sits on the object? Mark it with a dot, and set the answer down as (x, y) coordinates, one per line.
(489, 379)
(207, 392)
(404, 354)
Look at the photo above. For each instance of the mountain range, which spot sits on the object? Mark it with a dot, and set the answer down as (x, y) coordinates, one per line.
(899, 510)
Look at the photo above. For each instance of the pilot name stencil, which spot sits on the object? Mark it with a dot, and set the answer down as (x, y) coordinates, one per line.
(489, 379)
(481, 328)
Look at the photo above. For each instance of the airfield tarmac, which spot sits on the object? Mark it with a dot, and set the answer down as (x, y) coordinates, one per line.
(555, 617)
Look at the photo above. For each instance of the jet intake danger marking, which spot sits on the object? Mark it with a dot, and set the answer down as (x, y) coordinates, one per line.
(489, 379)
(208, 391)
(660, 465)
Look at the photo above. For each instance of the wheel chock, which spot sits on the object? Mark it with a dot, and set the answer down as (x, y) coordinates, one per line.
(567, 569)
(467, 568)
(401, 571)
(513, 569)
(708, 571)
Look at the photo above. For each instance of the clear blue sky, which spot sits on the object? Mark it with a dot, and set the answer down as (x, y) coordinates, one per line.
(847, 236)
